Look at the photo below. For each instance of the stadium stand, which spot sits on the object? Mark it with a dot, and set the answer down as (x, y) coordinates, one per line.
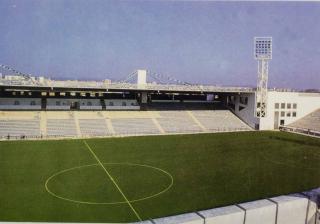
(184, 118)
(219, 120)
(19, 128)
(19, 124)
(311, 121)
(93, 127)
(127, 126)
(61, 127)
(177, 122)
(308, 125)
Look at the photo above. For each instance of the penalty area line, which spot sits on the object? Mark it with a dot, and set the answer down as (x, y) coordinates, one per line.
(112, 179)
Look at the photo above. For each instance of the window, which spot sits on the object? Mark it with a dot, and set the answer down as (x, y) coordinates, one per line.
(276, 106)
(294, 106)
(110, 103)
(288, 114)
(294, 114)
(58, 103)
(281, 122)
(33, 103)
(283, 105)
(282, 113)
(124, 104)
(89, 103)
(288, 105)
(16, 102)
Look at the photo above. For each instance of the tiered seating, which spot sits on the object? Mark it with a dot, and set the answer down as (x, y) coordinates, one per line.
(28, 128)
(61, 127)
(131, 126)
(93, 127)
(311, 121)
(177, 122)
(106, 123)
(219, 120)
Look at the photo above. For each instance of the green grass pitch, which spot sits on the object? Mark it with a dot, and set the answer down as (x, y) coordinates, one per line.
(127, 179)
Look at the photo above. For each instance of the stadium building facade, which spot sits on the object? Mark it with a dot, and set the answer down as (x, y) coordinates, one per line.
(283, 108)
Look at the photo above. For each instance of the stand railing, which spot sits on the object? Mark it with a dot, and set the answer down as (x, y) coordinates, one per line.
(304, 131)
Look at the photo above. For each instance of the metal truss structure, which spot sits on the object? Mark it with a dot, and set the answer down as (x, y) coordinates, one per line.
(262, 53)
(158, 83)
(95, 86)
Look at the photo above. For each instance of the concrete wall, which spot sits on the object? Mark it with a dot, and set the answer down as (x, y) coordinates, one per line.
(123, 104)
(188, 218)
(260, 211)
(247, 113)
(119, 102)
(291, 209)
(20, 103)
(142, 77)
(314, 199)
(226, 215)
(285, 209)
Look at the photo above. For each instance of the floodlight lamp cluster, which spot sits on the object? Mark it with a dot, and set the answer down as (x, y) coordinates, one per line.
(263, 48)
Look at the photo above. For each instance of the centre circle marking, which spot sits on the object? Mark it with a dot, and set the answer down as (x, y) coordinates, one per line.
(109, 203)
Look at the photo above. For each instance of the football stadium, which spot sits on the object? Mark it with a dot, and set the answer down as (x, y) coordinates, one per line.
(144, 150)
(159, 112)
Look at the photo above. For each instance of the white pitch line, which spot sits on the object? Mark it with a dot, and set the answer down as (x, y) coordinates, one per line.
(112, 179)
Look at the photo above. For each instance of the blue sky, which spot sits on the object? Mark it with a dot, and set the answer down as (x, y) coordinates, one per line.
(198, 42)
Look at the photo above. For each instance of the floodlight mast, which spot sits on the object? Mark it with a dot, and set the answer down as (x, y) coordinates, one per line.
(262, 53)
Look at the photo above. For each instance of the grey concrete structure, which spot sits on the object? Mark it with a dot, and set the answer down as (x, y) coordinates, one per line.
(144, 222)
(224, 215)
(189, 218)
(291, 209)
(314, 199)
(260, 211)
